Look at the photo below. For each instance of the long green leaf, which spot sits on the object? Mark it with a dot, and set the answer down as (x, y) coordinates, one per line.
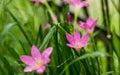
(88, 55)
(47, 38)
(7, 65)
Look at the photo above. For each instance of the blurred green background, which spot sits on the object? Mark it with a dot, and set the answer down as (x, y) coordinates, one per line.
(22, 25)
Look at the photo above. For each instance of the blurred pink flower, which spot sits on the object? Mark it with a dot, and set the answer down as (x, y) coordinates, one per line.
(89, 25)
(37, 61)
(76, 42)
(69, 18)
(77, 4)
(36, 2)
(54, 18)
(47, 26)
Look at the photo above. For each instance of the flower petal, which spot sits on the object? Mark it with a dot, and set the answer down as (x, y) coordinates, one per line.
(83, 43)
(69, 38)
(84, 4)
(28, 69)
(47, 52)
(89, 22)
(83, 25)
(46, 60)
(35, 53)
(27, 60)
(69, 18)
(70, 45)
(94, 24)
(76, 36)
(85, 37)
(41, 69)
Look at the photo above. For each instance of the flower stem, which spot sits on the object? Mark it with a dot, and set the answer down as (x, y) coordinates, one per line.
(95, 48)
(75, 17)
(49, 8)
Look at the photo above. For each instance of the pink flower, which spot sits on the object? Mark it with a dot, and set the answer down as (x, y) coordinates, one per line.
(54, 18)
(89, 25)
(38, 1)
(76, 42)
(37, 61)
(77, 4)
(47, 26)
(69, 18)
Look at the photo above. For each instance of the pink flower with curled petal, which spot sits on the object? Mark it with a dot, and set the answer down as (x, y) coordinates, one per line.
(89, 25)
(76, 42)
(69, 18)
(77, 4)
(37, 61)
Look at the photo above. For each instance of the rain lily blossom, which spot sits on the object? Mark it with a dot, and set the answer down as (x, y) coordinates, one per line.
(54, 18)
(89, 25)
(76, 42)
(48, 26)
(69, 18)
(77, 4)
(37, 61)
(36, 2)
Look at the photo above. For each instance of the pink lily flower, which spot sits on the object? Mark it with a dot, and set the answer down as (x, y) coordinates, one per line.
(89, 25)
(37, 61)
(69, 18)
(77, 4)
(36, 2)
(76, 42)
(54, 18)
(47, 26)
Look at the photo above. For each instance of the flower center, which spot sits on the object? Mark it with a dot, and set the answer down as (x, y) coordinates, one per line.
(38, 64)
(77, 46)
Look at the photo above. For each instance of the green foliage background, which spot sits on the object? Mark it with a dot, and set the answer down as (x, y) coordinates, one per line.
(22, 25)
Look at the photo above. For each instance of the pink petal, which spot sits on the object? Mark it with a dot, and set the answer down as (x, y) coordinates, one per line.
(35, 53)
(54, 18)
(85, 37)
(69, 38)
(28, 69)
(46, 60)
(76, 35)
(27, 60)
(89, 22)
(83, 25)
(84, 4)
(83, 43)
(41, 69)
(94, 24)
(47, 52)
(36, 2)
(47, 26)
(69, 18)
(70, 45)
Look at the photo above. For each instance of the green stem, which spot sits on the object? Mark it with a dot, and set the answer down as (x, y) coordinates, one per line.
(95, 48)
(62, 28)
(93, 41)
(75, 17)
(49, 8)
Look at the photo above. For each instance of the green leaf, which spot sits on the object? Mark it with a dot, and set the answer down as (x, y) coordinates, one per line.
(19, 25)
(6, 28)
(47, 38)
(7, 65)
(88, 55)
